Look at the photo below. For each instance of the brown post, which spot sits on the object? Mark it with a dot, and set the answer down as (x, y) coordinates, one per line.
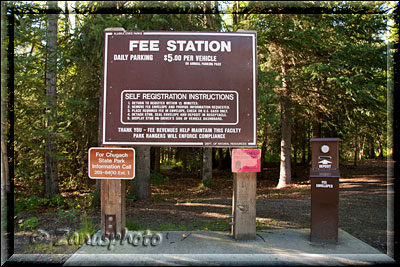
(245, 165)
(244, 201)
(112, 207)
(324, 176)
(244, 205)
(112, 196)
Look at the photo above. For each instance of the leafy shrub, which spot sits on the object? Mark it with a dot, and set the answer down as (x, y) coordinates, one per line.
(56, 201)
(64, 216)
(158, 179)
(272, 158)
(31, 203)
(86, 227)
(29, 224)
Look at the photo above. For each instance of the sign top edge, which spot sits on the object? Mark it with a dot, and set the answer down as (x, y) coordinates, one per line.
(180, 33)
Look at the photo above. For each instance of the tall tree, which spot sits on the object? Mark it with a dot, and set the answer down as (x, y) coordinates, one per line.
(6, 213)
(211, 22)
(142, 180)
(51, 167)
(206, 173)
(285, 175)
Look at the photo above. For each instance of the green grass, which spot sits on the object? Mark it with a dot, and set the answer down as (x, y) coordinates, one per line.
(267, 225)
(134, 226)
(86, 227)
(171, 227)
(202, 186)
(45, 248)
(220, 225)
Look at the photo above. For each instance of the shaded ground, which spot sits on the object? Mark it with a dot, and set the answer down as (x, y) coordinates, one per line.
(182, 204)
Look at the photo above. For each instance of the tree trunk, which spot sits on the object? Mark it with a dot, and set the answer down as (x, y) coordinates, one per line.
(207, 16)
(51, 168)
(207, 152)
(380, 156)
(66, 25)
(207, 166)
(355, 149)
(220, 158)
(227, 159)
(309, 134)
(142, 180)
(185, 151)
(286, 132)
(157, 159)
(362, 149)
(317, 126)
(5, 194)
(162, 154)
(5, 182)
(97, 194)
(6, 235)
(7, 136)
(170, 154)
(294, 161)
(152, 157)
(303, 149)
(371, 150)
(286, 129)
(264, 145)
(235, 13)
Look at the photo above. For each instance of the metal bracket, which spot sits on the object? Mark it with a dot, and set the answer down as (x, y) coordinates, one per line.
(110, 225)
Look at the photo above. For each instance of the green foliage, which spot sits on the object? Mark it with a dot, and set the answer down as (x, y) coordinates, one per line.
(86, 228)
(56, 201)
(272, 158)
(171, 227)
(88, 200)
(205, 185)
(66, 216)
(79, 75)
(29, 224)
(158, 197)
(134, 225)
(131, 197)
(32, 203)
(208, 184)
(176, 165)
(334, 72)
(158, 178)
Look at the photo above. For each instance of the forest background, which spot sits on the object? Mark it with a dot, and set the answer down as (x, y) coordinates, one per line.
(324, 70)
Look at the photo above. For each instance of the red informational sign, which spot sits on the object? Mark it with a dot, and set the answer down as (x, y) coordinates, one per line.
(246, 160)
(111, 163)
(179, 89)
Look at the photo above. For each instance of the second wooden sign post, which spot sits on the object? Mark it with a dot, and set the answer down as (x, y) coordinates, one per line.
(112, 165)
(245, 165)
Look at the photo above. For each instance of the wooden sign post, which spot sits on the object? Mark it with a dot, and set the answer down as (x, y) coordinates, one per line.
(112, 207)
(113, 165)
(245, 165)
